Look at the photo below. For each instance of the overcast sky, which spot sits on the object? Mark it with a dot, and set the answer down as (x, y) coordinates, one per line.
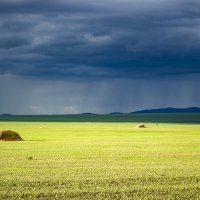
(74, 56)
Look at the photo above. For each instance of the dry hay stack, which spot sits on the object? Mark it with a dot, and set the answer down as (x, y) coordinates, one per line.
(8, 135)
(141, 126)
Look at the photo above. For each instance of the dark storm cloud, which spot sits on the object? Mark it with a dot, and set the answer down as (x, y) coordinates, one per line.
(132, 39)
(38, 7)
(73, 56)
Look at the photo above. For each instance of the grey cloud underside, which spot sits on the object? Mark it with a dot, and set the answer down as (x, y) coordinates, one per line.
(129, 39)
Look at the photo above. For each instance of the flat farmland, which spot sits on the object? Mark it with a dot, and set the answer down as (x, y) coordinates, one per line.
(100, 160)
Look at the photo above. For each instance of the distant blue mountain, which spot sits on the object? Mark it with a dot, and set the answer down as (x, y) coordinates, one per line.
(116, 113)
(171, 110)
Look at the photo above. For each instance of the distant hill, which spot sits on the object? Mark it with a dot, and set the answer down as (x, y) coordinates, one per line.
(171, 110)
(87, 113)
(115, 113)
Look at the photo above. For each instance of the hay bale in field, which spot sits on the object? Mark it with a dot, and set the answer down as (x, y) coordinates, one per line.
(141, 126)
(8, 135)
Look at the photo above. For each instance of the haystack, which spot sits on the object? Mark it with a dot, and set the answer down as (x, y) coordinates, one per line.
(141, 126)
(8, 135)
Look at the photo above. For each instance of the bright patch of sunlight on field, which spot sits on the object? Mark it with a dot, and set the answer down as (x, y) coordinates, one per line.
(100, 161)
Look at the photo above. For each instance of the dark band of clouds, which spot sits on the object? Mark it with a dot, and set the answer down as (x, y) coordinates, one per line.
(66, 38)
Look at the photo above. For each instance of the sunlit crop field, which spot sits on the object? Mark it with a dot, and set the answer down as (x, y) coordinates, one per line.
(63, 160)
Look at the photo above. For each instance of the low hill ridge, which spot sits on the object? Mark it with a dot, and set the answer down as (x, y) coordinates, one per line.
(170, 110)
